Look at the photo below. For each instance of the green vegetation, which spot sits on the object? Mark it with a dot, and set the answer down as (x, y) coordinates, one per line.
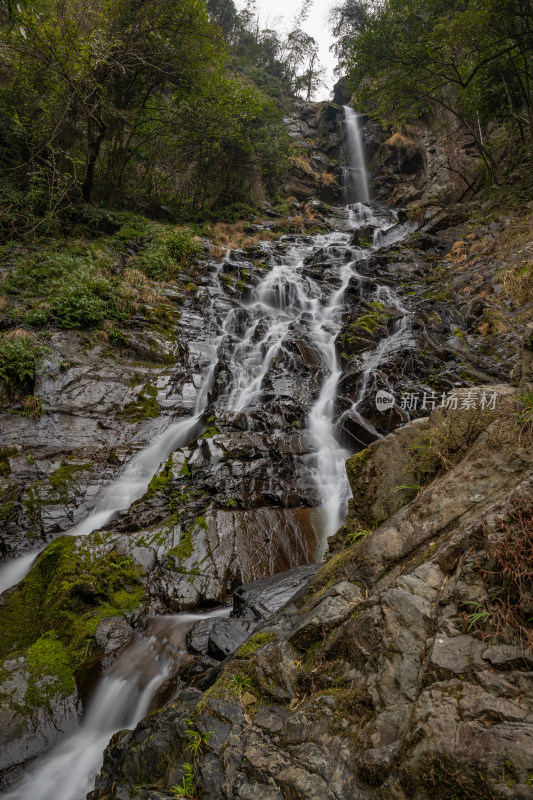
(58, 489)
(64, 597)
(118, 103)
(198, 741)
(18, 357)
(242, 683)
(374, 317)
(472, 60)
(50, 671)
(188, 785)
(168, 252)
(355, 536)
(444, 443)
(254, 643)
(161, 480)
(524, 414)
(5, 454)
(70, 287)
(145, 407)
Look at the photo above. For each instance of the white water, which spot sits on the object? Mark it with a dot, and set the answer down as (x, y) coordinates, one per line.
(130, 485)
(121, 700)
(354, 171)
(253, 335)
(14, 571)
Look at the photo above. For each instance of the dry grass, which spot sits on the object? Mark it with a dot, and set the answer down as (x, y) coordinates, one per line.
(459, 252)
(518, 282)
(505, 564)
(327, 179)
(233, 236)
(217, 250)
(20, 333)
(32, 406)
(493, 323)
(399, 141)
(137, 287)
(300, 163)
(444, 445)
(311, 212)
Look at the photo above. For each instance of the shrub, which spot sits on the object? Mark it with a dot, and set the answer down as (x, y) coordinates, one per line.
(79, 307)
(74, 288)
(18, 357)
(505, 563)
(167, 253)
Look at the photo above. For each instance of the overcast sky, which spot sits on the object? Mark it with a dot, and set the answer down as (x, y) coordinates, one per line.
(278, 14)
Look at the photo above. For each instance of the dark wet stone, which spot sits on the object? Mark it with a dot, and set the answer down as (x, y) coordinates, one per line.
(226, 636)
(261, 598)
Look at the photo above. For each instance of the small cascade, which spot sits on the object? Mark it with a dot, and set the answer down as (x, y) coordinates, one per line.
(121, 699)
(355, 175)
(132, 483)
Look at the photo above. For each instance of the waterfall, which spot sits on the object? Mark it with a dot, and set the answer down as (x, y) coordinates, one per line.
(254, 337)
(121, 699)
(355, 175)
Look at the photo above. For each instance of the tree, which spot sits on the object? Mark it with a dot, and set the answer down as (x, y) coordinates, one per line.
(107, 98)
(406, 57)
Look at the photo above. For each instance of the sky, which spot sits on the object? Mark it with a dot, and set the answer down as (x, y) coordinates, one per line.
(278, 14)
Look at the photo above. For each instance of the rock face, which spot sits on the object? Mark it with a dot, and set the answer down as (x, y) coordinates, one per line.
(40, 705)
(401, 671)
(430, 163)
(316, 128)
(393, 675)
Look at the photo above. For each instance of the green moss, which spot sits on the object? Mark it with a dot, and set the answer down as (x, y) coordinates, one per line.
(57, 489)
(370, 321)
(8, 497)
(328, 575)
(355, 464)
(162, 479)
(66, 593)
(184, 549)
(209, 432)
(255, 643)
(48, 659)
(185, 472)
(5, 454)
(145, 407)
(65, 475)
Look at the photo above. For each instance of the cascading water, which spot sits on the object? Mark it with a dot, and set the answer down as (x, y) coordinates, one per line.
(255, 336)
(121, 700)
(354, 171)
(131, 483)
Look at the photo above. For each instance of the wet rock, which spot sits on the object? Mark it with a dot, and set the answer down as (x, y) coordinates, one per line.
(226, 636)
(36, 710)
(380, 643)
(262, 598)
(113, 635)
(198, 636)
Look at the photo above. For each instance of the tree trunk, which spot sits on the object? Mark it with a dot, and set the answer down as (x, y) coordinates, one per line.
(94, 145)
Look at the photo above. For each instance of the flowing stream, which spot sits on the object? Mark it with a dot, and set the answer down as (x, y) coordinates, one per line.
(121, 700)
(253, 337)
